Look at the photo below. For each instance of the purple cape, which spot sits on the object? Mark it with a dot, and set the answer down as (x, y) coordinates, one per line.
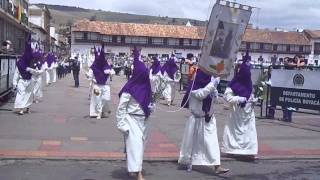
(37, 59)
(98, 66)
(25, 60)
(139, 84)
(201, 80)
(241, 84)
(50, 59)
(156, 67)
(170, 67)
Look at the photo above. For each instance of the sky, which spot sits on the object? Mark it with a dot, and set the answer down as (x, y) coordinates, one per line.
(286, 14)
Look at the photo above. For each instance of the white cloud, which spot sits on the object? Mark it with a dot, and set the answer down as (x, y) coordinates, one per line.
(288, 14)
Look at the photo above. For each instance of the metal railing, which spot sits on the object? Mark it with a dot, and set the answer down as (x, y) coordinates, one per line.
(7, 68)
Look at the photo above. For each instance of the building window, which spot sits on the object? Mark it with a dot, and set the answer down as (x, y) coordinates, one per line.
(243, 45)
(180, 42)
(187, 42)
(123, 39)
(114, 39)
(255, 46)
(136, 40)
(261, 46)
(301, 48)
(275, 47)
(248, 46)
(267, 47)
(85, 36)
(106, 38)
(173, 42)
(157, 41)
(288, 48)
(317, 48)
(94, 36)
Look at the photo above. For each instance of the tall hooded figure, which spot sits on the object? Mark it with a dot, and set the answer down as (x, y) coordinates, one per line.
(99, 75)
(38, 64)
(22, 80)
(51, 68)
(240, 136)
(171, 76)
(155, 75)
(132, 114)
(200, 141)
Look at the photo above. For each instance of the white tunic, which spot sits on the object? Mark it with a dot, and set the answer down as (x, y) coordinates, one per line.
(200, 141)
(99, 103)
(24, 97)
(51, 73)
(169, 92)
(54, 72)
(38, 87)
(155, 80)
(240, 136)
(130, 117)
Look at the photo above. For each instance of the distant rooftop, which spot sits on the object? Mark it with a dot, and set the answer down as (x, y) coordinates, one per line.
(187, 32)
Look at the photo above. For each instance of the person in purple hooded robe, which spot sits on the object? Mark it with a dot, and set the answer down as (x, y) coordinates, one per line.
(22, 80)
(170, 76)
(132, 114)
(38, 64)
(51, 66)
(155, 75)
(200, 144)
(99, 75)
(240, 136)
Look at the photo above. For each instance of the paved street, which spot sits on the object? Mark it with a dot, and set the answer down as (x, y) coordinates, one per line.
(115, 170)
(60, 128)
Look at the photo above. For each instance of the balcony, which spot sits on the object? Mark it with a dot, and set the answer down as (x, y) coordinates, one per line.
(81, 40)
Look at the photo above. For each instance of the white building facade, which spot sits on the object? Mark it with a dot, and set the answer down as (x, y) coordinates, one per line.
(119, 38)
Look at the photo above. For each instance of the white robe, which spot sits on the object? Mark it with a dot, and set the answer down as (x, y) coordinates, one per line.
(51, 73)
(24, 97)
(130, 117)
(38, 87)
(155, 80)
(200, 144)
(169, 92)
(99, 104)
(54, 72)
(240, 136)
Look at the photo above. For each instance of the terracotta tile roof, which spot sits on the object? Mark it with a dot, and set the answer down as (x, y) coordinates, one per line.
(313, 33)
(193, 32)
(145, 30)
(275, 37)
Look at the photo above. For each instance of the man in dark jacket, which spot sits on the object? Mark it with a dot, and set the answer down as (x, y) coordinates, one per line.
(75, 70)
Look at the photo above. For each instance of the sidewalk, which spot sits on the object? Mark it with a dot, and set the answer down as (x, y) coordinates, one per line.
(60, 128)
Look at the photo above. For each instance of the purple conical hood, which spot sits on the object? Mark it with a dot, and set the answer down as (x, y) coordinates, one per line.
(139, 84)
(201, 80)
(170, 67)
(156, 67)
(25, 60)
(241, 84)
(50, 59)
(98, 67)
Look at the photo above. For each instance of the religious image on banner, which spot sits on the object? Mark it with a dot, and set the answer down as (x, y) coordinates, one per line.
(225, 29)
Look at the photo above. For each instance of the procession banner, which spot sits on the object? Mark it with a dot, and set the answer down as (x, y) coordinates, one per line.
(226, 26)
(296, 88)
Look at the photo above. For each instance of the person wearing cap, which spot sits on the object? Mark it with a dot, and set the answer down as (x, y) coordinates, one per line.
(22, 80)
(132, 115)
(200, 144)
(171, 76)
(240, 135)
(6, 47)
(99, 75)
